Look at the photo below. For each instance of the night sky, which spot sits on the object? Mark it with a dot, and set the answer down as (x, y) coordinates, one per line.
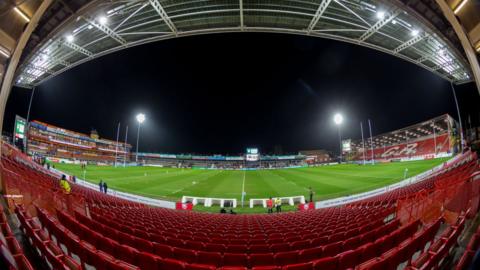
(218, 94)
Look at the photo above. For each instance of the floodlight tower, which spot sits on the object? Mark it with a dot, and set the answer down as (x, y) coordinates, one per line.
(140, 119)
(338, 119)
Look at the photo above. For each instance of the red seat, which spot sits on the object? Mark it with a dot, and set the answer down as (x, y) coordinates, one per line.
(262, 259)
(348, 259)
(300, 245)
(280, 247)
(163, 250)
(186, 255)
(148, 261)
(171, 264)
(299, 266)
(198, 267)
(259, 248)
(233, 259)
(332, 249)
(212, 247)
(236, 249)
(209, 258)
(310, 254)
(126, 253)
(269, 267)
(327, 263)
(288, 257)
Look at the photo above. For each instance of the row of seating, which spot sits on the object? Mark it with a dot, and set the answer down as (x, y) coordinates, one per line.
(473, 247)
(180, 240)
(45, 247)
(11, 254)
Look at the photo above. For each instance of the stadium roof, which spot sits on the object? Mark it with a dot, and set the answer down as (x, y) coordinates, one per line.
(74, 32)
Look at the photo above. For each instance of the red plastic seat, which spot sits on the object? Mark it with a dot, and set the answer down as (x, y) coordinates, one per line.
(310, 254)
(212, 247)
(288, 257)
(348, 259)
(163, 250)
(171, 264)
(332, 249)
(259, 248)
(209, 258)
(299, 266)
(262, 259)
(280, 247)
(185, 255)
(148, 261)
(234, 259)
(199, 267)
(327, 263)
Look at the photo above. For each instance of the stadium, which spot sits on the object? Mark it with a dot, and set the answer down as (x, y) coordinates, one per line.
(401, 195)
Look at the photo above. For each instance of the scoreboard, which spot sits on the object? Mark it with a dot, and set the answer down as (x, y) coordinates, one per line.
(252, 154)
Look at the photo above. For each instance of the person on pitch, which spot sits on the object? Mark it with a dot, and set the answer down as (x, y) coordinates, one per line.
(270, 205)
(100, 185)
(278, 205)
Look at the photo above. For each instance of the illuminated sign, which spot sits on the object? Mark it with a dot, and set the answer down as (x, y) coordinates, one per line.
(252, 154)
(19, 129)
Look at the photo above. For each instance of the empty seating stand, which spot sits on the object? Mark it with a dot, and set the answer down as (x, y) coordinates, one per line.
(119, 234)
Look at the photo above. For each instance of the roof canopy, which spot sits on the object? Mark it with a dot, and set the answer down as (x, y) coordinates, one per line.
(104, 26)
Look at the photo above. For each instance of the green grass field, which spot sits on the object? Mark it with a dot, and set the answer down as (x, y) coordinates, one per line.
(326, 181)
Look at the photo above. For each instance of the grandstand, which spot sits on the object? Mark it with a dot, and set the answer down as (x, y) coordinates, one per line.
(437, 137)
(62, 145)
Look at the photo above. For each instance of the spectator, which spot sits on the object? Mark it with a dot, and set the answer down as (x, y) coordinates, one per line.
(74, 179)
(231, 212)
(100, 186)
(223, 211)
(105, 187)
(65, 185)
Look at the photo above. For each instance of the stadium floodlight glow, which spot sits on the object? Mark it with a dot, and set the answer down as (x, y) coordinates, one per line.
(414, 32)
(4, 52)
(140, 118)
(380, 14)
(23, 15)
(102, 20)
(460, 6)
(338, 119)
(70, 38)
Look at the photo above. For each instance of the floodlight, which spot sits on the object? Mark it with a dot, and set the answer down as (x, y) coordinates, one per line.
(70, 38)
(338, 119)
(460, 6)
(4, 52)
(102, 20)
(380, 14)
(89, 27)
(140, 118)
(414, 32)
(394, 21)
(23, 15)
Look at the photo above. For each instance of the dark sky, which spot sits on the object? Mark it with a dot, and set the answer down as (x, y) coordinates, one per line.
(222, 93)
